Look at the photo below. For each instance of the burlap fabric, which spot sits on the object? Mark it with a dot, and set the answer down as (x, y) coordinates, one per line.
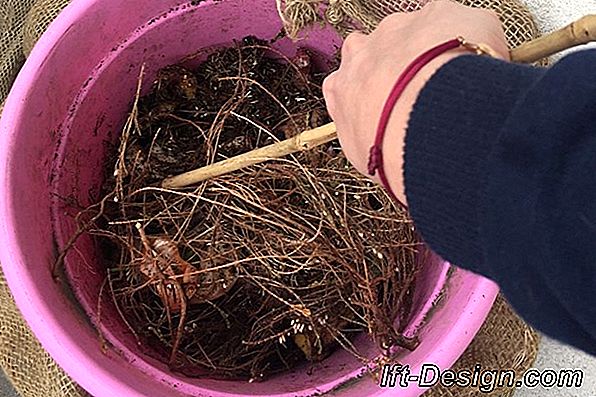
(21, 23)
(39, 17)
(363, 15)
(30, 369)
(12, 17)
(504, 341)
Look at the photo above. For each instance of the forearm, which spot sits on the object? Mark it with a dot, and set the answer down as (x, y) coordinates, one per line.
(488, 160)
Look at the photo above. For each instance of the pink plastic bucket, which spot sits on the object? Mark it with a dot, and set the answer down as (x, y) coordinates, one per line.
(70, 98)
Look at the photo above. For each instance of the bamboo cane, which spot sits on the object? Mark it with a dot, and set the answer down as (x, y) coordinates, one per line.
(306, 140)
(577, 33)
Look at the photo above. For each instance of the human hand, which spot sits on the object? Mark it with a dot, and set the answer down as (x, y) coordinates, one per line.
(370, 65)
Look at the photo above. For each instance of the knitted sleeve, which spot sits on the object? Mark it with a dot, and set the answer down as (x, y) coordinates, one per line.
(500, 175)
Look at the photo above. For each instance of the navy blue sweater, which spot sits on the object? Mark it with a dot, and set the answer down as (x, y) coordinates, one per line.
(500, 175)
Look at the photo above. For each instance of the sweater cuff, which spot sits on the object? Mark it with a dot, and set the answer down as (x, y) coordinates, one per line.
(452, 128)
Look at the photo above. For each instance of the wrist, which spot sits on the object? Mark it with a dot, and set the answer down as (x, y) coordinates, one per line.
(394, 142)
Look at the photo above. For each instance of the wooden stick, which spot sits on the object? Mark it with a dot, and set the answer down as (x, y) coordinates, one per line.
(304, 141)
(579, 32)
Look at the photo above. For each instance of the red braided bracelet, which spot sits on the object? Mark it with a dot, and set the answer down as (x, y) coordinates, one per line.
(375, 160)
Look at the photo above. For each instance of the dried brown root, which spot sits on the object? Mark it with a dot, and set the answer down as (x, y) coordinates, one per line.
(249, 273)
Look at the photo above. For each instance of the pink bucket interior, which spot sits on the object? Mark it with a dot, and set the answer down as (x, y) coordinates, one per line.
(69, 102)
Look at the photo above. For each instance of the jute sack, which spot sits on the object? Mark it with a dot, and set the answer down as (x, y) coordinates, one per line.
(30, 369)
(12, 17)
(39, 17)
(504, 341)
(364, 15)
